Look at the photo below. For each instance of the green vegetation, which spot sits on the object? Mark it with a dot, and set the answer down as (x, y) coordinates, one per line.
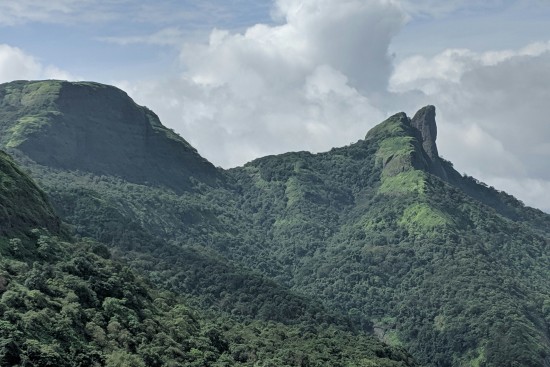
(362, 238)
(70, 305)
(21, 203)
(422, 218)
(394, 147)
(65, 303)
(408, 182)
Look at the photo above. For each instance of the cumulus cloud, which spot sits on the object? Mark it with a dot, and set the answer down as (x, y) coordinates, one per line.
(16, 64)
(319, 75)
(309, 82)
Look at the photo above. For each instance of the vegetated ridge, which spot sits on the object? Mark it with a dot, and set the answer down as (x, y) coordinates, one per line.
(67, 303)
(383, 232)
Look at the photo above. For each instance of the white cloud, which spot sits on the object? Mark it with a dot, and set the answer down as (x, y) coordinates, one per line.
(307, 83)
(492, 112)
(171, 36)
(16, 64)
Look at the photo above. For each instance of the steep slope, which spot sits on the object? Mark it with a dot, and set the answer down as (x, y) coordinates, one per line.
(22, 205)
(68, 304)
(87, 143)
(97, 128)
(383, 231)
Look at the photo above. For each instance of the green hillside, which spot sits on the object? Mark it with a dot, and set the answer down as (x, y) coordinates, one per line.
(383, 230)
(97, 128)
(22, 205)
(382, 235)
(66, 303)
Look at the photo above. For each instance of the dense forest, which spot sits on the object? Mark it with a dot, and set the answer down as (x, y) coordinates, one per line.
(68, 303)
(381, 237)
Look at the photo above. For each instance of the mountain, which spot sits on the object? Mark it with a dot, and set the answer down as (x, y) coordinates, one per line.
(97, 128)
(384, 228)
(67, 303)
(382, 235)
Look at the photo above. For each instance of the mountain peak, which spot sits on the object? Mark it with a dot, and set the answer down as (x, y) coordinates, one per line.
(424, 122)
(406, 143)
(97, 128)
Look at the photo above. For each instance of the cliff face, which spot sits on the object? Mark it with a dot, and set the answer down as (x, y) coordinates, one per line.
(99, 129)
(424, 122)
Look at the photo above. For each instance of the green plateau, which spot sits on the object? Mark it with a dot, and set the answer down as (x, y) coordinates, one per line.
(378, 239)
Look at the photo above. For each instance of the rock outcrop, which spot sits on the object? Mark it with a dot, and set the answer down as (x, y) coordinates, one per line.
(426, 129)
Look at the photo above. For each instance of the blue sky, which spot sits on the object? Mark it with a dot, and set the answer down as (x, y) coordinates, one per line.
(241, 79)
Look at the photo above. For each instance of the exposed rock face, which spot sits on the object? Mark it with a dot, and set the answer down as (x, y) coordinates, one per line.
(426, 127)
(424, 122)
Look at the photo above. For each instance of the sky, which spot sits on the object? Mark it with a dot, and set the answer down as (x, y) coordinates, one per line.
(241, 79)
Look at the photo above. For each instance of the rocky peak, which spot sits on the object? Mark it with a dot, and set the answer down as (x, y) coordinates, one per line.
(426, 133)
(424, 122)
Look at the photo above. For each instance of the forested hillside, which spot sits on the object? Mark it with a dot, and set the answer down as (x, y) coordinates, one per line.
(67, 303)
(382, 235)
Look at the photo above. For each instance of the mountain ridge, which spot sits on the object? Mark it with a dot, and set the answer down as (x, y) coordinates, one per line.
(383, 230)
(99, 129)
(68, 303)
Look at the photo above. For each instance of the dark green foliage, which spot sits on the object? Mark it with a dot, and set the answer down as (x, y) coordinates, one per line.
(97, 128)
(381, 231)
(68, 304)
(22, 204)
(71, 307)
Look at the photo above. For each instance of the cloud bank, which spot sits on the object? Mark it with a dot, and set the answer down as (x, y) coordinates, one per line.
(16, 64)
(492, 108)
(310, 82)
(322, 76)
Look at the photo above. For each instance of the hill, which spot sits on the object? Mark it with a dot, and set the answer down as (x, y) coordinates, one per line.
(66, 303)
(384, 229)
(97, 128)
(383, 232)
(22, 204)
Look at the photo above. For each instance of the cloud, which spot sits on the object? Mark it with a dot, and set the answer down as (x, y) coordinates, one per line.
(126, 14)
(16, 64)
(172, 36)
(492, 111)
(309, 82)
(54, 11)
